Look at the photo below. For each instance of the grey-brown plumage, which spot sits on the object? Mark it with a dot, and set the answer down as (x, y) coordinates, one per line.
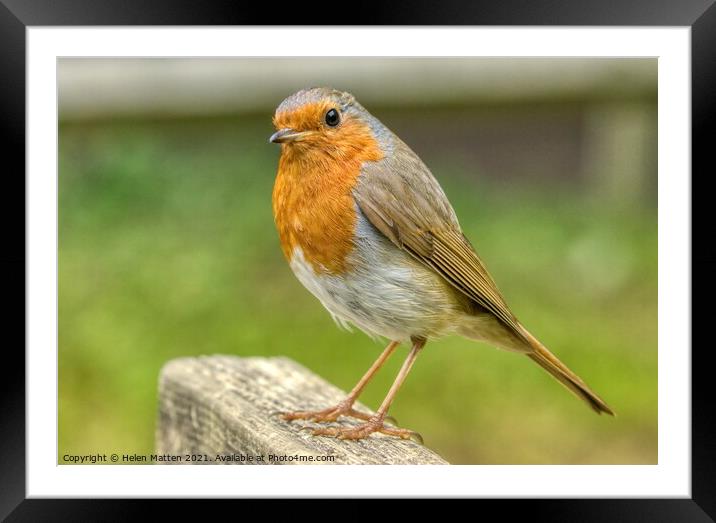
(402, 199)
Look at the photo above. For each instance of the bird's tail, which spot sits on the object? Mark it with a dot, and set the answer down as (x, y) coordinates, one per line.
(549, 362)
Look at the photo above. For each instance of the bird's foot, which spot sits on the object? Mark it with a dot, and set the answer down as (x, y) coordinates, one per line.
(344, 408)
(373, 424)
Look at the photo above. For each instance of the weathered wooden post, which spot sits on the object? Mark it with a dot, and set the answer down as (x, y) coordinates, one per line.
(222, 409)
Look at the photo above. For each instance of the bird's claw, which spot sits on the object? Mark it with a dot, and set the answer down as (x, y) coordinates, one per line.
(366, 429)
(391, 420)
(326, 415)
(387, 425)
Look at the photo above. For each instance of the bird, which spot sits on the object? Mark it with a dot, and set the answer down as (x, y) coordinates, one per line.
(369, 231)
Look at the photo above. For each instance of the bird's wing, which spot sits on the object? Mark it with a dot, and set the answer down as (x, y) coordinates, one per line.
(402, 199)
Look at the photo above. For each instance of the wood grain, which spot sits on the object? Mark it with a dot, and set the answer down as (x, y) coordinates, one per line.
(226, 407)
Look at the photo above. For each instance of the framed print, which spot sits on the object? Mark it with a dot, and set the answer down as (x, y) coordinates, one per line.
(202, 203)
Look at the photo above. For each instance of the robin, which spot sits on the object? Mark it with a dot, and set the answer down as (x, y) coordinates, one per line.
(368, 230)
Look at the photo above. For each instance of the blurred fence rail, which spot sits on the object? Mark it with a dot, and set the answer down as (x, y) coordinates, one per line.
(592, 120)
(95, 88)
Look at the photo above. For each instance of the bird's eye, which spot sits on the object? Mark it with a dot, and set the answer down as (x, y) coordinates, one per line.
(333, 118)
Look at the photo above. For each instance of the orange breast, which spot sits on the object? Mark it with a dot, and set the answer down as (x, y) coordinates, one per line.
(314, 207)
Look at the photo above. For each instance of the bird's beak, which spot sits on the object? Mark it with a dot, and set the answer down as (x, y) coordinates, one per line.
(288, 135)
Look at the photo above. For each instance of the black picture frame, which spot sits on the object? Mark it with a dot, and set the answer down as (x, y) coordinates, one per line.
(17, 15)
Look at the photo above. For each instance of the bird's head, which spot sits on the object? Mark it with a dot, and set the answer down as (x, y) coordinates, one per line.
(325, 122)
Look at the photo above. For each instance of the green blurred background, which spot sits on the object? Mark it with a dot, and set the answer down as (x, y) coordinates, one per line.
(167, 246)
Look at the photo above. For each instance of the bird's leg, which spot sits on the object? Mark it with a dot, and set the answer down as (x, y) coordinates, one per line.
(345, 407)
(375, 423)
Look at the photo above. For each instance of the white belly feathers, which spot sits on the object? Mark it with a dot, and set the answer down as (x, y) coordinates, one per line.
(386, 292)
